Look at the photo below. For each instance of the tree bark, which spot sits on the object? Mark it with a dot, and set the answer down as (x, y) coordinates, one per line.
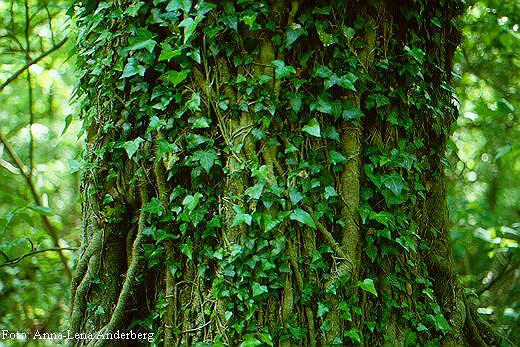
(268, 173)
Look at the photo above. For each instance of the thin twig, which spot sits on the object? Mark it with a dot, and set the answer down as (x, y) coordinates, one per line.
(29, 86)
(22, 257)
(328, 236)
(46, 222)
(32, 62)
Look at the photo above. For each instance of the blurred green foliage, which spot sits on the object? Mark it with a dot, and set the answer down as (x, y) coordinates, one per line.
(34, 290)
(484, 171)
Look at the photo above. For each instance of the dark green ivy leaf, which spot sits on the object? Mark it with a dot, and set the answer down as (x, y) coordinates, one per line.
(241, 217)
(189, 25)
(294, 32)
(376, 100)
(206, 158)
(259, 289)
(132, 146)
(368, 286)
(330, 192)
(132, 68)
(133, 9)
(295, 195)
(154, 207)
(336, 158)
(175, 5)
(394, 182)
(176, 77)
(302, 217)
(142, 39)
(322, 309)
(187, 249)
(352, 113)
(167, 52)
(312, 128)
(281, 70)
(255, 192)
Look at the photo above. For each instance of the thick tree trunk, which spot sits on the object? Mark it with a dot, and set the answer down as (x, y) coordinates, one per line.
(268, 173)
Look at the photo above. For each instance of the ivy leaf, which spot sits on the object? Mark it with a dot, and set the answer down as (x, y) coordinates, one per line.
(74, 165)
(296, 103)
(189, 26)
(416, 53)
(194, 103)
(371, 252)
(206, 158)
(192, 201)
(348, 32)
(330, 192)
(68, 120)
(187, 249)
(322, 309)
(199, 122)
(175, 5)
(132, 146)
(294, 32)
(330, 132)
(255, 192)
(250, 341)
(162, 235)
(435, 21)
(394, 182)
(324, 105)
(155, 124)
(323, 72)
(368, 286)
(312, 128)
(302, 217)
(352, 113)
(377, 100)
(250, 19)
(167, 52)
(441, 324)
(384, 217)
(326, 38)
(281, 70)
(204, 7)
(132, 68)
(140, 43)
(241, 217)
(154, 207)
(336, 158)
(259, 289)
(354, 335)
(266, 338)
(133, 9)
(347, 81)
(295, 196)
(176, 77)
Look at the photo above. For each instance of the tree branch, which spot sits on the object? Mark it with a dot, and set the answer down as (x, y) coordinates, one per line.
(46, 222)
(29, 85)
(16, 260)
(32, 62)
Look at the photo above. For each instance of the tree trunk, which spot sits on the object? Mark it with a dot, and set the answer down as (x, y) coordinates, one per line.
(268, 172)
